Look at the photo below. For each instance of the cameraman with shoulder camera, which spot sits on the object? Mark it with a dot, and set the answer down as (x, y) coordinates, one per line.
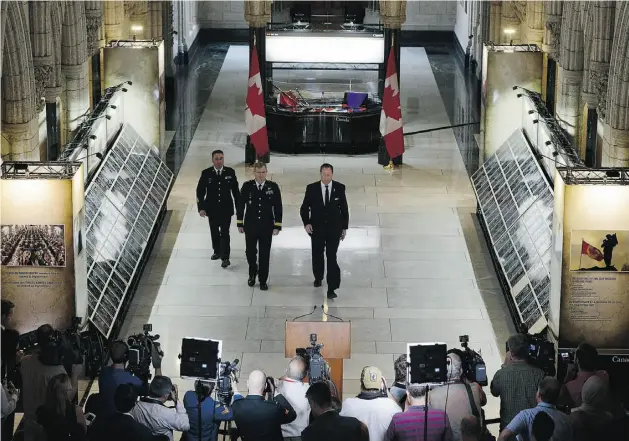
(258, 419)
(116, 374)
(212, 412)
(584, 367)
(459, 398)
(153, 412)
(38, 369)
(516, 382)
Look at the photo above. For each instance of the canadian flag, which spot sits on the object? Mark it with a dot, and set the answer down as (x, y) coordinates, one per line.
(255, 119)
(391, 116)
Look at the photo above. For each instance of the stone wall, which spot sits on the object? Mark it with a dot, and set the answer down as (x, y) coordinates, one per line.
(222, 14)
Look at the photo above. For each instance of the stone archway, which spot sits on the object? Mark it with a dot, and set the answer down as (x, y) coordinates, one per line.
(19, 122)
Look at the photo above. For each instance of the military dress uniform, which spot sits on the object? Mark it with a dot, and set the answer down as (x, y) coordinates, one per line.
(259, 211)
(217, 193)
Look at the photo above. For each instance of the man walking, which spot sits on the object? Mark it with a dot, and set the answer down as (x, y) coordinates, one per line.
(260, 221)
(214, 201)
(325, 215)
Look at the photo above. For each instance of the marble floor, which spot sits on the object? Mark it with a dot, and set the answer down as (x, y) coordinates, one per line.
(415, 266)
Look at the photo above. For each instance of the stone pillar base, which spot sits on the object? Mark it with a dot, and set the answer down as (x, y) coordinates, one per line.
(21, 141)
(615, 147)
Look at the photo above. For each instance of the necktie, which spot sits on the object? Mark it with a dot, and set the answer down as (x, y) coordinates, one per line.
(260, 187)
(218, 172)
(327, 196)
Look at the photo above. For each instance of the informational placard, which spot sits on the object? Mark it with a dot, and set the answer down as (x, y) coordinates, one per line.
(517, 204)
(122, 206)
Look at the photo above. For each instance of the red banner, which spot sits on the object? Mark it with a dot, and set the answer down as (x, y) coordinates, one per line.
(591, 251)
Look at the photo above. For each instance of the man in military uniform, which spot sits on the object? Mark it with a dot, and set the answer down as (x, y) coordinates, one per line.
(260, 207)
(214, 201)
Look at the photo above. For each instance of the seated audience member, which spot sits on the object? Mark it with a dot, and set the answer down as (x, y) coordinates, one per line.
(591, 420)
(37, 370)
(471, 428)
(411, 424)
(328, 425)
(516, 381)
(60, 419)
(292, 387)
(398, 390)
(114, 375)
(120, 426)
(522, 424)
(455, 394)
(543, 427)
(152, 412)
(372, 406)
(258, 419)
(211, 412)
(586, 359)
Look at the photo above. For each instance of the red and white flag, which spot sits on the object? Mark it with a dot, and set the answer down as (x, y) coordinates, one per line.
(391, 116)
(591, 251)
(255, 119)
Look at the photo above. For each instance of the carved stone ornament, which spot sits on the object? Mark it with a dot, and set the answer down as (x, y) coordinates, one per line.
(258, 12)
(599, 77)
(132, 8)
(555, 31)
(42, 77)
(93, 25)
(393, 13)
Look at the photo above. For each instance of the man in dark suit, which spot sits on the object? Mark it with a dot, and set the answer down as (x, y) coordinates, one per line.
(260, 420)
(325, 215)
(215, 189)
(121, 426)
(259, 216)
(328, 425)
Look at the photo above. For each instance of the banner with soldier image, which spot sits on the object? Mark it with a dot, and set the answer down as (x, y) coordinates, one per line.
(599, 251)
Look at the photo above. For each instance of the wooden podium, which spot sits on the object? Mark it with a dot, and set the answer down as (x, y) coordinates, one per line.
(336, 340)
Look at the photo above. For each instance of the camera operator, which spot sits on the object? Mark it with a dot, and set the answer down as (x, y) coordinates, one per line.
(153, 412)
(258, 419)
(10, 358)
(373, 406)
(584, 367)
(212, 413)
(398, 390)
(37, 369)
(116, 374)
(293, 388)
(516, 382)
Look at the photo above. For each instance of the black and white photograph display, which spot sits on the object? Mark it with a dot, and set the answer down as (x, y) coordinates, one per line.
(599, 251)
(33, 245)
(122, 205)
(516, 201)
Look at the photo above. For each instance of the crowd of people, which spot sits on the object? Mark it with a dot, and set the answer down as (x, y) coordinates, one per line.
(533, 407)
(33, 245)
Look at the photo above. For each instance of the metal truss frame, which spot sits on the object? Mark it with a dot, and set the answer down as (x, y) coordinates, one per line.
(594, 176)
(39, 170)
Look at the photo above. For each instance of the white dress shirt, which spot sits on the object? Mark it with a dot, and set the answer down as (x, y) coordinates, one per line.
(260, 186)
(323, 191)
(295, 393)
(218, 170)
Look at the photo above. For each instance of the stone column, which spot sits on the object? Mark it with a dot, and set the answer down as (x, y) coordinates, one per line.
(570, 71)
(258, 14)
(509, 20)
(602, 17)
(155, 29)
(535, 22)
(495, 22)
(114, 18)
(392, 16)
(94, 19)
(553, 10)
(137, 14)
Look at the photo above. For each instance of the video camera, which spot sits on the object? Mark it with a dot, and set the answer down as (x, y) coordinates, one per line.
(474, 367)
(140, 349)
(318, 368)
(541, 352)
(227, 374)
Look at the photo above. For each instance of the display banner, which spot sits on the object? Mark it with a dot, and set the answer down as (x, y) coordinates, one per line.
(42, 225)
(141, 63)
(594, 295)
(503, 68)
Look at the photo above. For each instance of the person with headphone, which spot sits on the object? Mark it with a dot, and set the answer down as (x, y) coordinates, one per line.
(114, 375)
(212, 413)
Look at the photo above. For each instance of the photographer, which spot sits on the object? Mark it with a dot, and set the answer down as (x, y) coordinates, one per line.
(459, 398)
(584, 367)
(212, 413)
(292, 387)
(113, 376)
(516, 382)
(38, 369)
(153, 413)
(398, 390)
(260, 420)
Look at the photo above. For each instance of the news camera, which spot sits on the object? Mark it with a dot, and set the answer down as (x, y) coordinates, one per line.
(474, 367)
(318, 368)
(140, 350)
(541, 352)
(227, 374)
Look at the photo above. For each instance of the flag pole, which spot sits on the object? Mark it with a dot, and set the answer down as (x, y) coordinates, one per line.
(390, 165)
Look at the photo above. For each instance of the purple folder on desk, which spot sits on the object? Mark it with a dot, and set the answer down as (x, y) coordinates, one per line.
(355, 99)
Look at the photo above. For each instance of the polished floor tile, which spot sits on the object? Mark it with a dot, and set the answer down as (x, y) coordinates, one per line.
(414, 265)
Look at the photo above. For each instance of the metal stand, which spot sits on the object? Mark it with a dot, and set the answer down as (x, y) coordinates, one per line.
(385, 159)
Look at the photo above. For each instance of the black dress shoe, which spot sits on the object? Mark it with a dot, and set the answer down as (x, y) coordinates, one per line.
(317, 283)
(263, 286)
(332, 294)
(251, 281)
(225, 263)
(215, 257)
